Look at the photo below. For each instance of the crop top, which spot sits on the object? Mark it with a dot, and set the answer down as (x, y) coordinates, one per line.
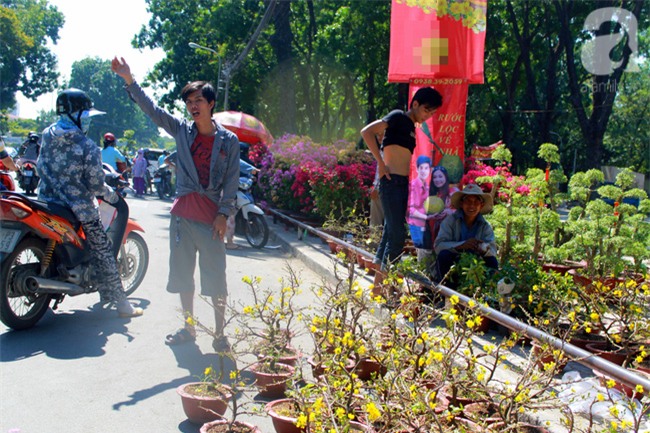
(400, 130)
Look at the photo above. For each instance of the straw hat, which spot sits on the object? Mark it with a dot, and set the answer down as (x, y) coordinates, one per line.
(472, 189)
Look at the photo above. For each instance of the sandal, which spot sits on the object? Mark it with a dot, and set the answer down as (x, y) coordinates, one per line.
(179, 337)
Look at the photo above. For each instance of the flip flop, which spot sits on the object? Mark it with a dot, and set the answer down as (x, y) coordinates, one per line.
(179, 337)
(232, 247)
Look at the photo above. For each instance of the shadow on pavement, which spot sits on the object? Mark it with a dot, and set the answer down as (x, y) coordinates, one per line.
(69, 334)
(189, 357)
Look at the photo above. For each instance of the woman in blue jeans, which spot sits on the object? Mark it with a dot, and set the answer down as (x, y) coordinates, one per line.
(394, 164)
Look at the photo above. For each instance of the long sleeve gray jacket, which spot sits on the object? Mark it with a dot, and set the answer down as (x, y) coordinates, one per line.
(224, 171)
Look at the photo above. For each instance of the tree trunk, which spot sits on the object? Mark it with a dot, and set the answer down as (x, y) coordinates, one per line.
(282, 42)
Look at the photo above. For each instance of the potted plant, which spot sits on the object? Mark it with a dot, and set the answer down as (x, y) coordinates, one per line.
(205, 400)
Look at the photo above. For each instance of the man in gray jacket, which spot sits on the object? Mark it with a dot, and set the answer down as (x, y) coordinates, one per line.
(466, 231)
(207, 170)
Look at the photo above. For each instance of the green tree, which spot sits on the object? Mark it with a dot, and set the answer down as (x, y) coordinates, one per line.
(95, 77)
(26, 64)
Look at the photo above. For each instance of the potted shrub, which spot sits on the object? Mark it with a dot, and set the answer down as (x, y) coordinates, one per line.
(206, 400)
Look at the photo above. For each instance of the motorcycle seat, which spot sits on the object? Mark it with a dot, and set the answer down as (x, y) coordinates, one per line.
(58, 210)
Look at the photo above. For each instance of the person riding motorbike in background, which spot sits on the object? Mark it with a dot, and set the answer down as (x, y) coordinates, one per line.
(31, 147)
(5, 158)
(72, 175)
(110, 154)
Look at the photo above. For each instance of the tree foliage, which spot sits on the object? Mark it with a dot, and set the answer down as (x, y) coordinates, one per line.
(95, 77)
(26, 64)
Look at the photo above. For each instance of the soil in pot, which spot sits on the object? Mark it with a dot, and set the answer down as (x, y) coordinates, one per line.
(203, 402)
(284, 414)
(222, 426)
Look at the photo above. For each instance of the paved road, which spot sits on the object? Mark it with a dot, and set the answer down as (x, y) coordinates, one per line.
(82, 369)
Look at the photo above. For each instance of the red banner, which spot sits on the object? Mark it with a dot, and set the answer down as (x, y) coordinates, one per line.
(437, 38)
(444, 133)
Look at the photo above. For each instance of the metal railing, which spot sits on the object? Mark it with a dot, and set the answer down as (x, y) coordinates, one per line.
(584, 357)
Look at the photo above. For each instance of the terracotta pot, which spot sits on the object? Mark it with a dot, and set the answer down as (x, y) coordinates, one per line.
(563, 268)
(283, 423)
(615, 356)
(317, 368)
(366, 368)
(200, 409)
(334, 247)
(459, 399)
(628, 390)
(220, 426)
(291, 358)
(484, 413)
(545, 356)
(272, 385)
(583, 340)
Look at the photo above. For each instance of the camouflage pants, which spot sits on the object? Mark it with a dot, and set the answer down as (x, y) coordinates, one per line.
(104, 265)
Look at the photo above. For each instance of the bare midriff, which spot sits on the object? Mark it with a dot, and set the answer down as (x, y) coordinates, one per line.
(397, 159)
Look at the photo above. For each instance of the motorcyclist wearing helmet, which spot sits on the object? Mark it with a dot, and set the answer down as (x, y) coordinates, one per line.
(31, 147)
(6, 159)
(71, 171)
(110, 154)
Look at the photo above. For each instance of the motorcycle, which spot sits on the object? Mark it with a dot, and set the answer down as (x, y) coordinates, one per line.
(44, 255)
(27, 175)
(249, 219)
(118, 180)
(6, 179)
(162, 179)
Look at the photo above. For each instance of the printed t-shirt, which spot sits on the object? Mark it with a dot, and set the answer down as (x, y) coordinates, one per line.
(195, 206)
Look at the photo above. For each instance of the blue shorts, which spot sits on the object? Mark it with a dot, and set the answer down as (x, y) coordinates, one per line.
(186, 238)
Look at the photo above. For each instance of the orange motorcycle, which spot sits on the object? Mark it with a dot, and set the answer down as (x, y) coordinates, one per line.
(44, 256)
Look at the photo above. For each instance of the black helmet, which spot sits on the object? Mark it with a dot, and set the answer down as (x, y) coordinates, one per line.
(75, 101)
(72, 100)
(33, 137)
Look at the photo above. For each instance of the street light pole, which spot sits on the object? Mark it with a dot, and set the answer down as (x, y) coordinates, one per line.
(201, 47)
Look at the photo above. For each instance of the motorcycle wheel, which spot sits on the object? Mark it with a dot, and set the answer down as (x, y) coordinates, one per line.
(256, 230)
(132, 262)
(22, 312)
(159, 188)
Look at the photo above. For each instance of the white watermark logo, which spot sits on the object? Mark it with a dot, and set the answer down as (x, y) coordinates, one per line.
(596, 53)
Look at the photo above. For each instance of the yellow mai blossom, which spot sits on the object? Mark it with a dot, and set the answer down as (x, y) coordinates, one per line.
(639, 389)
(373, 413)
(246, 279)
(248, 309)
(600, 397)
(207, 371)
(340, 413)
(454, 300)
(470, 323)
(610, 383)
(471, 303)
(594, 316)
(233, 375)
(301, 422)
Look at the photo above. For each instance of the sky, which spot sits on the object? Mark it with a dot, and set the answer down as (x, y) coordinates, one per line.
(95, 28)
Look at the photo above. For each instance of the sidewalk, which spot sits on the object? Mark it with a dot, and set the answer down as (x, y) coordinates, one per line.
(314, 252)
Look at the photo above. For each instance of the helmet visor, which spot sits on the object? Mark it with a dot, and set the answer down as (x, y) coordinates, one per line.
(92, 112)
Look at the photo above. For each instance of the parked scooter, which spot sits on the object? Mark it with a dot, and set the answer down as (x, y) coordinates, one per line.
(44, 255)
(249, 219)
(27, 175)
(162, 179)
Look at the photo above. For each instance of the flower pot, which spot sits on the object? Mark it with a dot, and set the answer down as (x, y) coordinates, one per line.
(628, 390)
(366, 368)
(544, 356)
(201, 408)
(616, 356)
(484, 413)
(281, 412)
(221, 426)
(334, 246)
(272, 384)
(317, 368)
(290, 358)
